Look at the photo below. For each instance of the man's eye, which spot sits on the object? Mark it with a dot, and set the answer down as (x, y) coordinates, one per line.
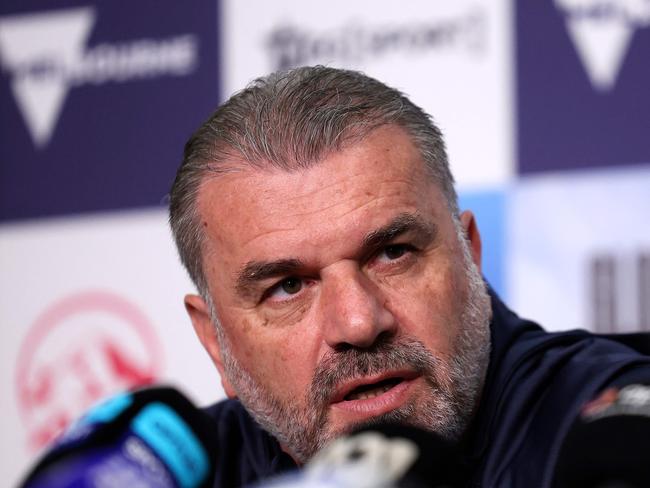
(285, 288)
(291, 285)
(395, 251)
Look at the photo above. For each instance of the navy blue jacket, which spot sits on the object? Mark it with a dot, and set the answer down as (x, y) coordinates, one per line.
(536, 383)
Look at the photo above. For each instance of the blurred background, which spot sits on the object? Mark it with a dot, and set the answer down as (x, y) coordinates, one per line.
(545, 107)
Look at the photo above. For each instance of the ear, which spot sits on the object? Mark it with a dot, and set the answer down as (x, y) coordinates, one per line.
(206, 331)
(468, 221)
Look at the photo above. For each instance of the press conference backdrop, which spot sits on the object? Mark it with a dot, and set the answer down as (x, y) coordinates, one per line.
(545, 107)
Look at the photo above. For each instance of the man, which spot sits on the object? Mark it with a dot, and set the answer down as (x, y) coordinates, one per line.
(339, 286)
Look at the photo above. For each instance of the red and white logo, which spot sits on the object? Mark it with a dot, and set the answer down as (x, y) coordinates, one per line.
(79, 350)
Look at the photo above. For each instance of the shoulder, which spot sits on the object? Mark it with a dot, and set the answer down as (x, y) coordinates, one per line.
(537, 382)
(523, 352)
(246, 453)
(227, 412)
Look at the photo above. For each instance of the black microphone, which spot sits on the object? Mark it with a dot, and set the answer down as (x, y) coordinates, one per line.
(381, 456)
(153, 437)
(608, 445)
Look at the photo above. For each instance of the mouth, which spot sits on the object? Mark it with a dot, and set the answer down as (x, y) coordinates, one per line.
(374, 395)
(372, 390)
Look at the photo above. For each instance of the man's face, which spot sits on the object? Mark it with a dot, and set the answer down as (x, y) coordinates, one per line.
(344, 295)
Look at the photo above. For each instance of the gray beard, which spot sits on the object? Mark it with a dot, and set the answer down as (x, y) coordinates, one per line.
(455, 383)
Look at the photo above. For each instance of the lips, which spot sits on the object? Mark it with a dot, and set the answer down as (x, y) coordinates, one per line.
(365, 392)
(371, 387)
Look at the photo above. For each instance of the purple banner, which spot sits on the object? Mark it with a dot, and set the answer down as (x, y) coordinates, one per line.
(97, 101)
(583, 83)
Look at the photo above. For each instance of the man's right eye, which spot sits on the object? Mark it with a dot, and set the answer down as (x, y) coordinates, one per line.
(285, 288)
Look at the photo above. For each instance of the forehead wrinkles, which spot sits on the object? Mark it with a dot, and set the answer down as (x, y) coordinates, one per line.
(251, 203)
(263, 203)
(321, 228)
(386, 156)
(340, 199)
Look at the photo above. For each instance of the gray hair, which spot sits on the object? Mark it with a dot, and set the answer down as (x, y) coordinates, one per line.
(291, 120)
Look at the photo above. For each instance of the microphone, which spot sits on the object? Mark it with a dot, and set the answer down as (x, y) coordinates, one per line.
(153, 437)
(381, 456)
(608, 445)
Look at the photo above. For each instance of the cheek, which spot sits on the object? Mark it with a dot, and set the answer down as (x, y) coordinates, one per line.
(289, 317)
(426, 307)
(275, 358)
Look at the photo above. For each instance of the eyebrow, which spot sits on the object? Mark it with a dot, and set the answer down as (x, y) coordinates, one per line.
(403, 223)
(254, 272)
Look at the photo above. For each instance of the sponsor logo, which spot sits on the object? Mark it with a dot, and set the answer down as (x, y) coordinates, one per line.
(620, 292)
(290, 45)
(601, 31)
(81, 349)
(45, 54)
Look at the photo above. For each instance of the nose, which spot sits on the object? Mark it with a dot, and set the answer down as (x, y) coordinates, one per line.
(353, 309)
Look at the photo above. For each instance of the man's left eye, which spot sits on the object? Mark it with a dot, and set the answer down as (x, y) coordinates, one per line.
(396, 251)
